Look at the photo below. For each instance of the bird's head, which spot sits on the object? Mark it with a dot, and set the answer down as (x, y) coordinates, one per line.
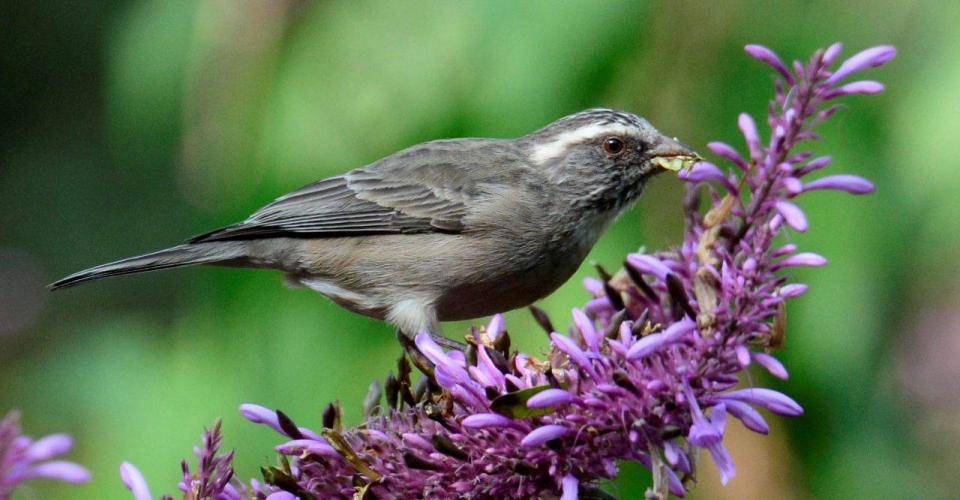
(604, 157)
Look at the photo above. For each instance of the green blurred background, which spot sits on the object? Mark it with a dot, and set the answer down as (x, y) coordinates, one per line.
(127, 126)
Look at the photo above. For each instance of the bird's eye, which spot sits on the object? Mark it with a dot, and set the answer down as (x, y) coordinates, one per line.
(613, 145)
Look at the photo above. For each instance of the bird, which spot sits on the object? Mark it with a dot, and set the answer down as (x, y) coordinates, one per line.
(450, 229)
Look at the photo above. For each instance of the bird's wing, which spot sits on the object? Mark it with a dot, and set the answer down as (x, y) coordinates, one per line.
(395, 195)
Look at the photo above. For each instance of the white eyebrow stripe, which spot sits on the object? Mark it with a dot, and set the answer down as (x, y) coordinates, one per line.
(559, 146)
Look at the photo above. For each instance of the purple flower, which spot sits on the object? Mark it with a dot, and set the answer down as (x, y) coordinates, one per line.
(792, 214)
(850, 183)
(708, 433)
(541, 435)
(871, 57)
(213, 480)
(133, 479)
(768, 56)
(550, 398)
(22, 458)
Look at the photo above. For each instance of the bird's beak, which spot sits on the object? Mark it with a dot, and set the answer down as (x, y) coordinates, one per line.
(673, 155)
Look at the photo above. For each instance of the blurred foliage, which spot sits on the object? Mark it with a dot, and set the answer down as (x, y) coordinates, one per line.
(126, 126)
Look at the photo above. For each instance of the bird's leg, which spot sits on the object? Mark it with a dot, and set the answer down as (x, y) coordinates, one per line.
(448, 344)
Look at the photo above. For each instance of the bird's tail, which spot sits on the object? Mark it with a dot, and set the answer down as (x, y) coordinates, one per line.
(183, 255)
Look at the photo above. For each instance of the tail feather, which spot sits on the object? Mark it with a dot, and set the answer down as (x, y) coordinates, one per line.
(183, 255)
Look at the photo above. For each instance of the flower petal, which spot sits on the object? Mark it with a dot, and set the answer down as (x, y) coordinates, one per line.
(545, 433)
(567, 346)
(486, 420)
(282, 495)
(59, 469)
(49, 446)
(772, 364)
(808, 259)
(853, 184)
(749, 129)
(831, 53)
(868, 87)
(793, 290)
(550, 398)
(727, 151)
(763, 54)
(443, 362)
(594, 285)
(704, 171)
(674, 332)
(649, 264)
(570, 488)
(261, 415)
(792, 214)
(495, 327)
(872, 57)
(587, 330)
(750, 417)
(645, 346)
(770, 399)
(133, 479)
(298, 446)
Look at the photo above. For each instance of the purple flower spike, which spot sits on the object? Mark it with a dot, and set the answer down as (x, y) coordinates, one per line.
(22, 459)
(793, 215)
(871, 57)
(134, 481)
(763, 54)
(570, 488)
(550, 398)
(541, 435)
(852, 184)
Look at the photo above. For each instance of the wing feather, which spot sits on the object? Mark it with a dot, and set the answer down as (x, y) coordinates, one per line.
(391, 196)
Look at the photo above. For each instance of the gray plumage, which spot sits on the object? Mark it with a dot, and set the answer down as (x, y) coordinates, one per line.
(445, 230)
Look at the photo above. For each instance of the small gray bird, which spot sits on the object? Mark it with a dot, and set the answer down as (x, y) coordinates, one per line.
(445, 230)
